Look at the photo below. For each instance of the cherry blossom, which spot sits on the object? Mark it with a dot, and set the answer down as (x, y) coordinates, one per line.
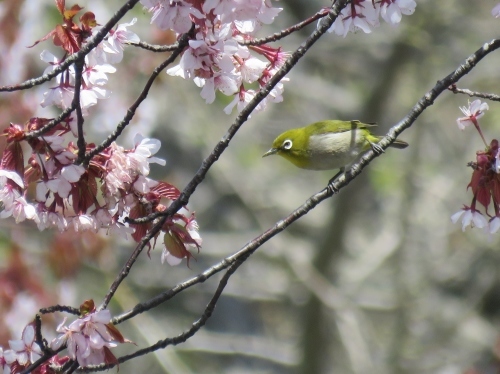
(89, 338)
(174, 15)
(472, 113)
(114, 45)
(7, 358)
(392, 10)
(358, 15)
(21, 210)
(470, 217)
(494, 224)
(26, 350)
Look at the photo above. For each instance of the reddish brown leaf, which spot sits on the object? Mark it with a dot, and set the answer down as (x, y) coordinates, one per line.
(139, 211)
(61, 5)
(109, 358)
(483, 197)
(87, 307)
(167, 190)
(49, 35)
(70, 13)
(116, 334)
(88, 19)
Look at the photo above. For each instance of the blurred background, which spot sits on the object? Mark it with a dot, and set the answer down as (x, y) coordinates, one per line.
(375, 280)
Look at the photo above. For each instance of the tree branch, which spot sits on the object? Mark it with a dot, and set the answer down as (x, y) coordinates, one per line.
(314, 200)
(453, 88)
(223, 144)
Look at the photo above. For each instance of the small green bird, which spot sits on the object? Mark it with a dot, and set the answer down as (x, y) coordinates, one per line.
(327, 145)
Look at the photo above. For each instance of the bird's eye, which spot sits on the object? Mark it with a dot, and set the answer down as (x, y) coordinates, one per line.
(287, 144)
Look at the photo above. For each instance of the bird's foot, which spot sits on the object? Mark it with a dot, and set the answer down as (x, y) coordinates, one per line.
(333, 190)
(376, 148)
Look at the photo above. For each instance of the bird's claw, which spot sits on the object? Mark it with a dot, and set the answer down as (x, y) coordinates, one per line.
(330, 187)
(376, 148)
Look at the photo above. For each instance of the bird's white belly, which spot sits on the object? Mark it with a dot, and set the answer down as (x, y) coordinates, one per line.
(335, 150)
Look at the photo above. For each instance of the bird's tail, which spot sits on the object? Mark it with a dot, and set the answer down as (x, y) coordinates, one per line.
(400, 144)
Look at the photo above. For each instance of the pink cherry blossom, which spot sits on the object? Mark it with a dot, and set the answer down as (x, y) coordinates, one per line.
(87, 338)
(117, 39)
(85, 222)
(472, 113)
(7, 358)
(21, 210)
(52, 219)
(174, 15)
(392, 10)
(358, 15)
(5, 175)
(27, 350)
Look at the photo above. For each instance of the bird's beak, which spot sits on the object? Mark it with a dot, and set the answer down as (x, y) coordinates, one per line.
(272, 151)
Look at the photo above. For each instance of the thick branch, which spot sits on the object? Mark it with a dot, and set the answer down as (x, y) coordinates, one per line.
(224, 142)
(426, 101)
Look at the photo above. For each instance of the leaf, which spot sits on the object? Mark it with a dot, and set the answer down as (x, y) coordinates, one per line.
(13, 159)
(87, 307)
(139, 211)
(167, 190)
(61, 5)
(70, 13)
(109, 358)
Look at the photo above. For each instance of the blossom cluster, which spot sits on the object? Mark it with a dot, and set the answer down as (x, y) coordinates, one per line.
(22, 352)
(215, 58)
(485, 181)
(114, 186)
(25, 352)
(97, 62)
(365, 15)
(87, 339)
(94, 194)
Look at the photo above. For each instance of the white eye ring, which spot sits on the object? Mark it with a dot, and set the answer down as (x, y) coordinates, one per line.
(287, 144)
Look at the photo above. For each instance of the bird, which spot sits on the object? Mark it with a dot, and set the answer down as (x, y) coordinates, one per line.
(328, 145)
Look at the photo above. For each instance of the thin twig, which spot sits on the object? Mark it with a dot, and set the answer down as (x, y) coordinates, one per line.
(64, 114)
(280, 35)
(155, 48)
(453, 88)
(181, 338)
(60, 308)
(42, 343)
(79, 115)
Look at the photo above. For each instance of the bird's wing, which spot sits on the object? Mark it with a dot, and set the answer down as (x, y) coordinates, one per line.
(324, 127)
